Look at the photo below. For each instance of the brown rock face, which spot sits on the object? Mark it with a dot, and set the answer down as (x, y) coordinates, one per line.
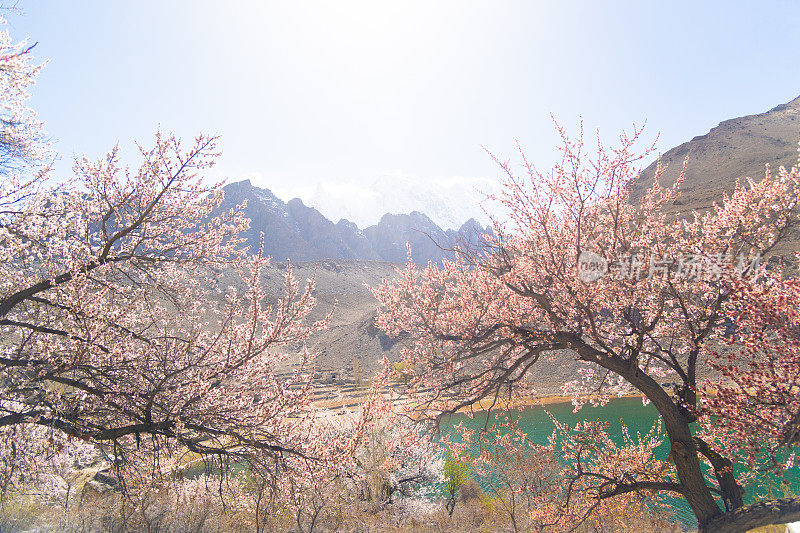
(736, 149)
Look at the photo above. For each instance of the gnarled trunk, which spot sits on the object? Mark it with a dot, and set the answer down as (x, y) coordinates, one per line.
(756, 515)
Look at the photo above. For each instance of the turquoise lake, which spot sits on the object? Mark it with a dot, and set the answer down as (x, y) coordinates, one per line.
(638, 418)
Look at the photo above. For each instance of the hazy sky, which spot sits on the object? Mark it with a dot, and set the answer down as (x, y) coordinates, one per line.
(346, 92)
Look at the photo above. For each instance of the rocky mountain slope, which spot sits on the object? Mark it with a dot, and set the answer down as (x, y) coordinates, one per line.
(300, 233)
(737, 148)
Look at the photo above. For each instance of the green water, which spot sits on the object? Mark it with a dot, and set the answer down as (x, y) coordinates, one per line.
(638, 418)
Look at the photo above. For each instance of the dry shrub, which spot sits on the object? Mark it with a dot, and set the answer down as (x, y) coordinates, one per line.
(197, 509)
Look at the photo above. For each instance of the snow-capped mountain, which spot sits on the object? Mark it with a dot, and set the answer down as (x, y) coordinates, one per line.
(449, 203)
(293, 230)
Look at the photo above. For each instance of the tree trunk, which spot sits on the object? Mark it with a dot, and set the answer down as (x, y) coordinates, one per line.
(683, 451)
(682, 446)
(756, 515)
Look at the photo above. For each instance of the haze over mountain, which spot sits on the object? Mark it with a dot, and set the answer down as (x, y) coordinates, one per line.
(447, 202)
(736, 148)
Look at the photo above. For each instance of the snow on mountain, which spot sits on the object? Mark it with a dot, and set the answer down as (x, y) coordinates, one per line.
(293, 230)
(448, 202)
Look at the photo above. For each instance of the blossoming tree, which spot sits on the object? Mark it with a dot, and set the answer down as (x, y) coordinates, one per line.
(636, 295)
(115, 322)
(130, 315)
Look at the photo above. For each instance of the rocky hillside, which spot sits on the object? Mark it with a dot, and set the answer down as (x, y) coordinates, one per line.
(735, 149)
(300, 233)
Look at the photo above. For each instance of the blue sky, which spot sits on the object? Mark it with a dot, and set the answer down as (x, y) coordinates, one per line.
(309, 93)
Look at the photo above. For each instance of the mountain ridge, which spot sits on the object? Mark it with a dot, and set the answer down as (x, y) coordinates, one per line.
(294, 231)
(735, 149)
(352, 347)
